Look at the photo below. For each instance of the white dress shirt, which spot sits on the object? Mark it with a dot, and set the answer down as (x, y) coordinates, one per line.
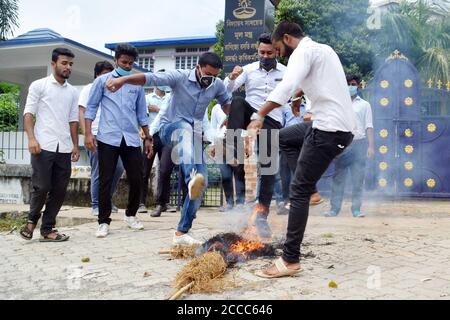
(55, 106)
(259, 83)
(316, 69)
(364, 121)
(82, 102)
(218, 117)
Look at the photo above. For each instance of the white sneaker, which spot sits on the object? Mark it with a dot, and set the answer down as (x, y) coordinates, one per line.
(184, 240)
(94, 212)
(102, 231)
(134, 223)
(196, 185)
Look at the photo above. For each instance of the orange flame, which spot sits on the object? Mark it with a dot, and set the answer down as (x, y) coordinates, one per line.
(245, 247)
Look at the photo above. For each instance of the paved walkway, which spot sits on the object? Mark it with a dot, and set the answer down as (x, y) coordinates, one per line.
(400, 251)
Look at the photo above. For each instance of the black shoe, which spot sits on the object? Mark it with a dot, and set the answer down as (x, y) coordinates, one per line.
(169, 208)
(157, 212)
(282, 210)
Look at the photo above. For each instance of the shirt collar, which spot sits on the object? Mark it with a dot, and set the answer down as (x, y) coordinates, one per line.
(192, 76)
(53, 80)
(304, 41)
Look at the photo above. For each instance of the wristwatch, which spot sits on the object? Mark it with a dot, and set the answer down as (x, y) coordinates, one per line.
(257, 117)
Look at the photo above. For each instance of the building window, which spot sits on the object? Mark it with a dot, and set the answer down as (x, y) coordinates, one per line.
(147, 63)
(146, 51)
(186, 62)
(187, 58)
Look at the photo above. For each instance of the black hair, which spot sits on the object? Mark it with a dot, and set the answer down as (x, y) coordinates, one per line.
(125, 49)
(61, 52)
(351, 77)
(102, 66)
(265, 38)
(210, 59)
(290, 28)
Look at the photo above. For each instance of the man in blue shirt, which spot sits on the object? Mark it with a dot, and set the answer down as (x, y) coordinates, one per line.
(123, 112)
(192, 91)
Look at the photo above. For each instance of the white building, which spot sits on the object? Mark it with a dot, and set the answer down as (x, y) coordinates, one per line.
(170, 53)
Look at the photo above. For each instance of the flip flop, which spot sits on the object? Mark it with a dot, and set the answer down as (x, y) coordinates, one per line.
(283, 271)
(316, 203)
(59, 238)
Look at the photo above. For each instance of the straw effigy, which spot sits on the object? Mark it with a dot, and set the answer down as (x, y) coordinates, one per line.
(182, 252)
(204, 274)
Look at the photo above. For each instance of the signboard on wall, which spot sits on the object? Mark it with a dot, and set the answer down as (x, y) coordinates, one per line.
(245, 21)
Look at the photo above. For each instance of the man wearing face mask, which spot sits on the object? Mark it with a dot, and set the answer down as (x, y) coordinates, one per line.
(123, 112)
(315, 69)
(259, 79)
(354, 157)
(181, 125)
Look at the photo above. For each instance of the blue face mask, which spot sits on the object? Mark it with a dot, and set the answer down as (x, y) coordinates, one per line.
(165, 89)
(353, 90)
(122, 72)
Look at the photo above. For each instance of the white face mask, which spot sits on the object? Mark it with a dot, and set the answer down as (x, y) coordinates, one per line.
(206, 81)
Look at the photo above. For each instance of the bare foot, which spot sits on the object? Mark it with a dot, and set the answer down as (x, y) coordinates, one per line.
(273, 270)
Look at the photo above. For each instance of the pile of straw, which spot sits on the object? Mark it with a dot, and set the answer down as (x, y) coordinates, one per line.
(203, 274)
(182, 252)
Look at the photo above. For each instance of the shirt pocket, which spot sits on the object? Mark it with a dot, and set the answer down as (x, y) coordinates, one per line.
(131, 98)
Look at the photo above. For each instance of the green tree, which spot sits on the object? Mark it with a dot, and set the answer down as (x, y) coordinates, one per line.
(9, 17)
(422, 33)
(342, 24)
(219, 45)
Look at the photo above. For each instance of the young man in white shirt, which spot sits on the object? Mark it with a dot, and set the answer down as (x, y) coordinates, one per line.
(229, 173)
(354, 157)
(316, 70)
(259, 78)
(53, 143)
(101, 68)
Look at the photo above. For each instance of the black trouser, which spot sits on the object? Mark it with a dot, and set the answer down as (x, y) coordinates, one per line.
(51, 175)
(318, 151)
(165, 170)
(291, 143)
(238, 172)
(285, 175)
(107, 160)
(239, 118)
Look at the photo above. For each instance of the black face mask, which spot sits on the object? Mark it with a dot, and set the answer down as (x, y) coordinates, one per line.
(287, 50)
(268, 63)
(205, 81)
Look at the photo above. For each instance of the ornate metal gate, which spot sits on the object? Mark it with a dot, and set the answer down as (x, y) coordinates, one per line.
(411, 132)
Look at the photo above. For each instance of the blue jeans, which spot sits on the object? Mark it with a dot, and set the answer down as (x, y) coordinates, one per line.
(95, 178)
(353, 159)
(189, 149)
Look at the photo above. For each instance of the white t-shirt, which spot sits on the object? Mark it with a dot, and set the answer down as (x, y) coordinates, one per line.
(364, 117)
(83, 100)
(316, 69)
(217, 119)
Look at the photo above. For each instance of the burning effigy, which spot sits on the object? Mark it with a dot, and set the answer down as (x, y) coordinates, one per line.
(235, 248)
(205, 273)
